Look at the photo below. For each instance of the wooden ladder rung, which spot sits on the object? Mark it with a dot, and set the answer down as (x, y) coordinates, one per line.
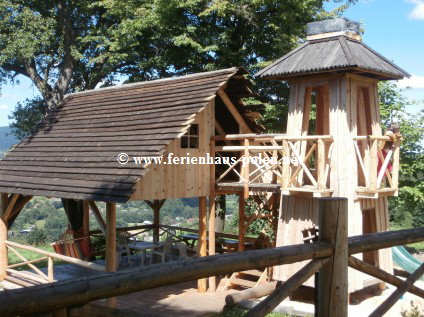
(242, 282)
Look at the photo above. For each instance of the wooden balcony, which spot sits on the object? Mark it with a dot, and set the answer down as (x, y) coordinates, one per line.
(378, 166)
(273, 163)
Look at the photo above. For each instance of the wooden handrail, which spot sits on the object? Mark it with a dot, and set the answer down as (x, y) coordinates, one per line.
(218, 234)
(64, 258)
(123, 229)
(263, 137)
(104, 285)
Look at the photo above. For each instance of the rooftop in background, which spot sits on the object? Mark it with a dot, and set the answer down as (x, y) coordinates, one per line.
(336, 49)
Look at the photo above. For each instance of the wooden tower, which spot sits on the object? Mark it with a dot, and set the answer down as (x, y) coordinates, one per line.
(333, 81)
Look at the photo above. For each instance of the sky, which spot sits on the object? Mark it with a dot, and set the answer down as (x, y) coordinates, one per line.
(394, 28)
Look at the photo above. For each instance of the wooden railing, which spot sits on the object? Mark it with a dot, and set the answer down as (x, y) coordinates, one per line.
(378, 165)
(331, 256)
(299, 164)
(38, 275)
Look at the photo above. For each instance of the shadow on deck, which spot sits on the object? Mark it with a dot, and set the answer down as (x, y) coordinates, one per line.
(173, 300)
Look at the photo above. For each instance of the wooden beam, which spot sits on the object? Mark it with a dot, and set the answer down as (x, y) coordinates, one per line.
(376, 272)
(244, 128)
(157, 205)
(19, 206)
(333, 278)
(397, 294)
(202, 283)
(3, 236)
(111, 264)
(98, 216)
(246, 168)
(10, 205)
(250, 293)
(242, 222)
(285, 289)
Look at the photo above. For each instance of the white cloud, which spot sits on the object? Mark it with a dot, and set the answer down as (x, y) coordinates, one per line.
(418, 12)
(415, 82)
(4, 107)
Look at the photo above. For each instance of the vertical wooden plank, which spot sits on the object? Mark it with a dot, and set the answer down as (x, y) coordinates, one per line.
(286, 167)
(202, 283)
(395, 168)
(320, 165)
(373, 164)
(50, 268)
(333, 277)
(212, 212)
(242, 221)
(111, 243)
(3, 236)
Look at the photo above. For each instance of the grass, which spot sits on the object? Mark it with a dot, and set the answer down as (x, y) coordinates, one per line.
(29, 255)
(239, 312)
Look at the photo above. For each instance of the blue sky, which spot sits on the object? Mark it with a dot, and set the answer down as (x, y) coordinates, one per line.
(394, 28)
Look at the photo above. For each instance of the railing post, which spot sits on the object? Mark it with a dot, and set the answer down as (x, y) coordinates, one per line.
(111, 244)
(246, 168)
(50, 267)
(286, 167)
(202, 283)
(212, 214)
(320, 164)
(373, 164)
(3, 236)
(395, 168)
(333, 277)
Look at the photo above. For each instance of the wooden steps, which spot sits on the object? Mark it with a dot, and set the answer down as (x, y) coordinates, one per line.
(246, 279)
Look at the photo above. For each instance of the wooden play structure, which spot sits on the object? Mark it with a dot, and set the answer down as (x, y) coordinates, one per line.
(86, 151)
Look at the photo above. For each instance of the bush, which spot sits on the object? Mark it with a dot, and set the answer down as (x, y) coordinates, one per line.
(37, 237)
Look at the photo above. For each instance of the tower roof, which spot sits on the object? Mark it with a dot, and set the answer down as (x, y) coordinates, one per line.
(333, 54)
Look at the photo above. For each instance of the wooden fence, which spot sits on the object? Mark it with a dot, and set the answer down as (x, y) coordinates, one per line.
(331, 256)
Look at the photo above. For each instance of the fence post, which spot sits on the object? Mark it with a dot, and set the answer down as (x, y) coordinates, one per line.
(333, 278)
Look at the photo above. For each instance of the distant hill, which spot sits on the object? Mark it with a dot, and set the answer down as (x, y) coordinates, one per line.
(6, 140)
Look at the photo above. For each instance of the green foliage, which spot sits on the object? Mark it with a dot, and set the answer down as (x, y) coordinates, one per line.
(407, 210)
(26, 116)
(37, 237)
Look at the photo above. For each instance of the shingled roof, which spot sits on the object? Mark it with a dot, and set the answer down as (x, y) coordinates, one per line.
(340, 53)
(73, 154)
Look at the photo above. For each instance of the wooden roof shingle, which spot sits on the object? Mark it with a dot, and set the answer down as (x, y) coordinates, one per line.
(73, 153)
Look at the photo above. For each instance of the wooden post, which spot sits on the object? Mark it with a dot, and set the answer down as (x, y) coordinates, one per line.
(50, 268)
(286, 167)
(373, 164)
(86, 219)
(212, 212)
(3, 236)
(202, 283)
(156, 216)
(320, 165)
(242, 221)
(246, 168)
(111, 243)
(333, 278)
(395, 170)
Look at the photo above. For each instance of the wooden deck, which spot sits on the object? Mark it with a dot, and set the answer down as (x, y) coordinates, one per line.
(172, 300)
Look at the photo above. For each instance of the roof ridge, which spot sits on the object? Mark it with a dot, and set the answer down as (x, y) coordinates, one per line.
(346, 50)
(141, 83)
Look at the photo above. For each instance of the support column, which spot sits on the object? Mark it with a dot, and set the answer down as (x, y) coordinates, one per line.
(156, 216)
(3, 236)
(333, 278)
(111, 243)
(86, 219)
(242, 221)
(202, 283)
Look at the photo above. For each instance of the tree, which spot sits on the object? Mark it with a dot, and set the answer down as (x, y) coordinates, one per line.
(26, 116)
(408, 208)
(65, 46)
